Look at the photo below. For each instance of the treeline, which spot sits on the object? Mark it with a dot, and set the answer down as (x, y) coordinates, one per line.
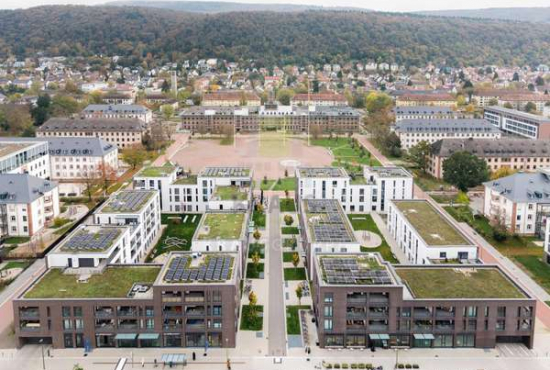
(143, 35)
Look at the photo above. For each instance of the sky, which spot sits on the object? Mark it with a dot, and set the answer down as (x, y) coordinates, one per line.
(387, 5)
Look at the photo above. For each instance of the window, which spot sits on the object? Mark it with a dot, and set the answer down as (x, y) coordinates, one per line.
(328, 324)
(443, 341)
(79, 324)
(216, 296)
(500, 325)
(465, 340)
(68, 340)
(66, 311)
(525, 324)
(328, 311)
(470, 311)
(67, 324)
(216, 310)
(77, 311)
(149, 323)
(501, 311)
(328, 297)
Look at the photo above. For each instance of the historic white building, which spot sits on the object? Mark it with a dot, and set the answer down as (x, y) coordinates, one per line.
(106, 111)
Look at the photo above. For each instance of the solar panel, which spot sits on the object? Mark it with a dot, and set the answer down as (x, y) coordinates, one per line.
(349, 271)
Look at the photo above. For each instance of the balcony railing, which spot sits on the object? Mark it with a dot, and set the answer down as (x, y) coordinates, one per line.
(173, 327)
(103, 313)
(29, 314)
(378, 327)
(105, 328)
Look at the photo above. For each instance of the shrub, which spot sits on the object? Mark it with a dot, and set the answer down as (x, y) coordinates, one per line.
(408, 366)
(344, 366)
(400, 366)
(361, 366)
(415, 366)
(336, 366)
(328, 366)
(354, 366)
(369, 366)
(288, 220)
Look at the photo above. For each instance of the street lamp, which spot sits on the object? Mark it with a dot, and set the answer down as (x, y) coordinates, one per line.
(41, 341)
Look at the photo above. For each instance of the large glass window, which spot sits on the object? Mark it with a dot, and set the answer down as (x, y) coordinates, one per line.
(68, 340)
(356, 341)
(327, 324)
(328, 297)
(67, 324)
(465, 340)
(172, 340)
(77, 311)
(334, 340)
(327, 311)
(443, 341)
(194, 340)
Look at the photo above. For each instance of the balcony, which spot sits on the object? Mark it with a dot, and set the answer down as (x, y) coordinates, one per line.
(422, 328)
(445, 314)
(444, 328)
(378, 327)
(378, 315)
(196, 312)
(356, 315)
(421, 313)
(30, 326)
(104, 313)
(194, 298)
(172, 313)
(29, 313)
(127, 312)
(105, 328)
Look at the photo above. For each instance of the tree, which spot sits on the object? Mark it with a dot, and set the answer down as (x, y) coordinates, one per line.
(64, 106)
(465, 170)
(167, 111)
(493, 102)
(502, 172)
(539, 81)
(256, 260)
(288, 220)
(165, 86)
(462, 198)
(90, 180)
(77, 367)
(252, 302)
(257, 235)
(134, 156)
(107, 175)
(315, 131)
(295, 259)
(286, 193)
(284, 96)
(508, 105)
(515, 77)
(420, 155)
(392, 145)
(299, 294)
(377, 102)
(530, 107)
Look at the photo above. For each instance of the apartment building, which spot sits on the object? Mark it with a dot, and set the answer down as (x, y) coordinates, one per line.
(516, 154)
(518, 123)
(325, 229)
(426, 112)
(412, 132)
(232, 98)
(271, 116)
(425, 235)
(24, 156)
(190, 301)
(121, 132)
(520, 201)
(324, 99)
(520, 101)
(361, 301)
(118, 111)
(27, 204)
(414, 99)
(213, 189)
(357, 193)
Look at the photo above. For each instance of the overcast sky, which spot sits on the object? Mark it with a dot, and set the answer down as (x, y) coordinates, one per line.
(387, 5)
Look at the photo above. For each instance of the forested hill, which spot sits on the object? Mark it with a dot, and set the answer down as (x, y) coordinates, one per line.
(512, 14)
(296, 37)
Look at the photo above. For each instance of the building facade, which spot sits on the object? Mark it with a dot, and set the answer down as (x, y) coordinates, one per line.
(325, 99)
(518, 123)
(425, 112)
(119, 111)
(24, 156)
(231, 99)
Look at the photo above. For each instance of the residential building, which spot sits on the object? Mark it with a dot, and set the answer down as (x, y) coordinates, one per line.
(116, 98)
(515, 154)
(271, 116)
(120, 132)
(523, 124)
(233, 98)
(191, 301)
(119, 111)
(412, 132)
(27, 204)
(324, 99)
(159, 178)
(426, 112)
(413, 99)
(425, 235)
(520, 101)
(361, 301)
(357, 193)
(520, 201)
(24, 156)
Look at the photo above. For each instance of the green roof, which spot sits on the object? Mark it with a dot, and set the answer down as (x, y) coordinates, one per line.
(113, 282)
(189, 180)
(430, 224)
(161, 171)
(231, 193)
(358, 179)
(458, 282)
(221, 226)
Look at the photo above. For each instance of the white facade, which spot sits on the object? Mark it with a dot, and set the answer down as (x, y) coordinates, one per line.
(519, 123)
(22, 156)
(359, 194)
(119, 111)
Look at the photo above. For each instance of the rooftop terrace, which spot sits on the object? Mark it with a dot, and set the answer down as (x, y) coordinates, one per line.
(389, 171)
(91, 238)
(354, 270)
(430, 224)
(225, 172)
(161, 171)
(327, 222)
(187, 180)
(194, 268)
(113, 282)
(458, 282)
(127, 201)
(221, 226)
(230, 193)
(322, 172)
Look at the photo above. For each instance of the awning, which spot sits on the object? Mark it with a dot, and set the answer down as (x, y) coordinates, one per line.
(150, 336)
(424, 336)
(374, 336)
(429, 336)
(384, 336)
(125, 336)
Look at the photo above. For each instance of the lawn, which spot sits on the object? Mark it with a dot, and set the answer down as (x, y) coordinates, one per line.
(16, 264)
(444, 283)
(250, 322)
(266, 184)
(282, 184)
(444, 198)
(253, 272)
(537, 269)
(293, 326)
(287, 256)
(256, 247)
(180, 229)
(290, 230)
(222, 226)
(258, 218)
(365, 222)
(429, 183)
(292, 273)
(114, 282)
(347, 152)
(287, 205)
(160, 171)
(230, 193)
(16, 240)
(290, 243)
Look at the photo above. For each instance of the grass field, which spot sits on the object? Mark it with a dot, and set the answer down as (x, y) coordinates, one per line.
(536, 268)
(256, 247)
(287, 205)
(258, 218)
(290, 230)
(287, 256)
(222, 226)
(292, 273)
(293, 319)
(365, 222)
(345, 153)
(182, 230)
(253, 272)
(282, 184)
(250, 321)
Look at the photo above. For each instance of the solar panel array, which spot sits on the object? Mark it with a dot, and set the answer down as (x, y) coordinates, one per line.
(330, 226)
(85, 240)
(348, 271)
(225, 172)
(128, 201)
(321, 172)
(217, 269)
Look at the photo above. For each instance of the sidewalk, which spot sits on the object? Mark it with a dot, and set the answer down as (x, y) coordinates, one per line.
(399, 254)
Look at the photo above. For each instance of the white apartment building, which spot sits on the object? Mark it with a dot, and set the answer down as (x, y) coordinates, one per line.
(139, 209)
(119, 111)
(28, 156)
(157, 178)
(519, 123)
(359, 193)
(426, 235)
(412, 132)
(27, 204)
(520, 201)
(547, 242)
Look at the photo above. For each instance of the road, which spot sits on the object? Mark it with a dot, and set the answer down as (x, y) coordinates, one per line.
(487, 253)
(276, 323)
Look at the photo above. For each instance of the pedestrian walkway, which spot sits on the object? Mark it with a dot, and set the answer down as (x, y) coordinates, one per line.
(399, 254)
(276, 319)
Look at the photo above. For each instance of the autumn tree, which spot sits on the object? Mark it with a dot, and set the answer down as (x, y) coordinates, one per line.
(167, 111)
(420, 155)
(299, 294)
(295, 259)
(134, 156)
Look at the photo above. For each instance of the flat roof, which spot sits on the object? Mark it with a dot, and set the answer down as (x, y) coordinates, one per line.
(10, 148)
(430, 224)
(192, 267)
(383, 171)
(225, 172)
(113, 282)
(458, 282)
(327, 222)
(187, 180)
(156, 171)
(91, 238)
(221, 226)
(353, 269)
(467, 125)
(322, 172)
(231, 193)
(514, 112)
(127, 201)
